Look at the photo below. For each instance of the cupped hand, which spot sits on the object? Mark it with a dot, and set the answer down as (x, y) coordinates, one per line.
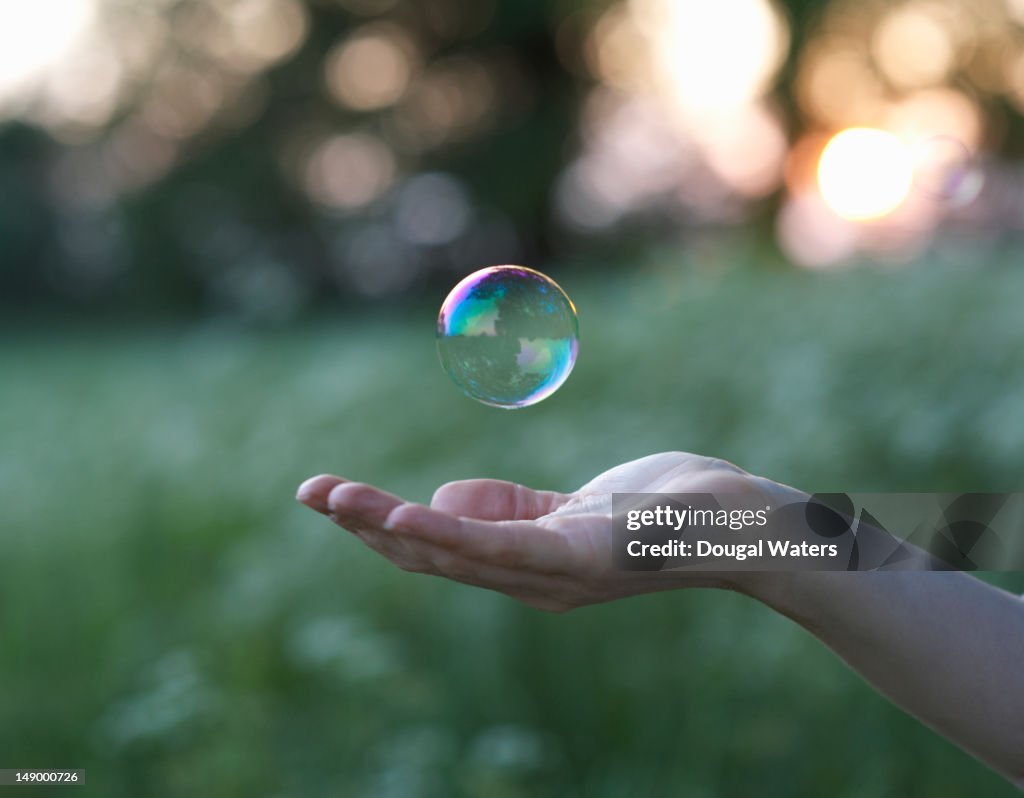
(553, 551)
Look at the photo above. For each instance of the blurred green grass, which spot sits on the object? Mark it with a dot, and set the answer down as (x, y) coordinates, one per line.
(173, 622)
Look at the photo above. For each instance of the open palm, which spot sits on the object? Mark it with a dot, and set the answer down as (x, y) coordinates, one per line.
(550, 550)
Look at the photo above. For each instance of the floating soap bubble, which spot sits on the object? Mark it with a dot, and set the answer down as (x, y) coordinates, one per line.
(946, 170)
(507, 336)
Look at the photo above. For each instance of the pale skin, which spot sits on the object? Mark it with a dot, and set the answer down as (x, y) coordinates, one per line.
(946, 647)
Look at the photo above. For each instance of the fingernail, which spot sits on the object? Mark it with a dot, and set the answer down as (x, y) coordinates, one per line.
(391, 524)
(304, 492)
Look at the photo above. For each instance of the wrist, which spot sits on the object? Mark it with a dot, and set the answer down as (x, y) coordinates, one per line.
(784, 591)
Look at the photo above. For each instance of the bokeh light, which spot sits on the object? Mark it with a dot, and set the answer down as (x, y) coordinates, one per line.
(453, 99)
(349, 171)
(914, 44)
(372, 68)
(683, 124)
(946, 170)
(433, 209)
(253, 34)
(812, 235)
(864, 173)
(713, 56)
(35, 37)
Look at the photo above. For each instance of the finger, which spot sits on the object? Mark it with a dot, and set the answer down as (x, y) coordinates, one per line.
(363, 504)
(362, 509)
(314, 491)
(517, 544)
(495, 500)
(536, 589)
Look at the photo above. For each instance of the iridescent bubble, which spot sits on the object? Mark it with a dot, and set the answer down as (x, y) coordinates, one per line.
(508, 336)
(946, 170)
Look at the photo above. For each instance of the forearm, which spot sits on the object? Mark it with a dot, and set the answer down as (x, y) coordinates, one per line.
(945, 647)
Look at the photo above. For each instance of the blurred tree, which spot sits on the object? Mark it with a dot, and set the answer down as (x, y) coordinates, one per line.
(259, 156)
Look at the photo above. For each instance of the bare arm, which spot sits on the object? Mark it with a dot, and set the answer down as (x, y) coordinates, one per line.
(946, 647)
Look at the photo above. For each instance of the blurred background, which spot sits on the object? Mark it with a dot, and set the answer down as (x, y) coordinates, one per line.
(793, 232)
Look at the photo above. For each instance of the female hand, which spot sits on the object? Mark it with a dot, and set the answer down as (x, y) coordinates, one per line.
(550, 550)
